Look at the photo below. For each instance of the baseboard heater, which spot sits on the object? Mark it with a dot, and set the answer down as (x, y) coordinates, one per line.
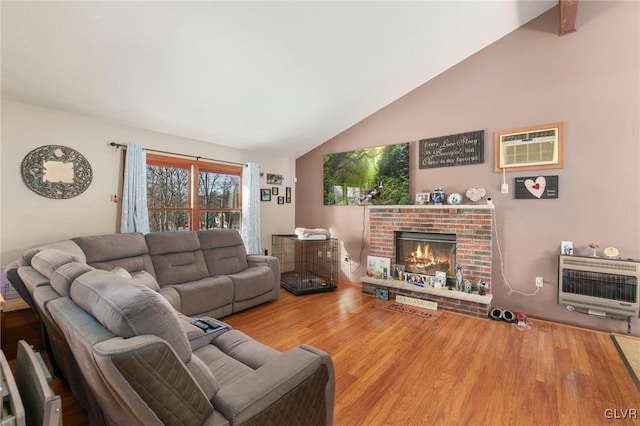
(599, 286)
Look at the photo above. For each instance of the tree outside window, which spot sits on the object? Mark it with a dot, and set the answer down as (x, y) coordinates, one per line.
(172, 188)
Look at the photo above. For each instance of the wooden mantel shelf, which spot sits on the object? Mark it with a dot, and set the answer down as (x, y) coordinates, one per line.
(435, 206)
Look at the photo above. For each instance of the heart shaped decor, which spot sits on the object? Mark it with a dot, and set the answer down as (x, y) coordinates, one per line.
(475, 194)
(536, 188)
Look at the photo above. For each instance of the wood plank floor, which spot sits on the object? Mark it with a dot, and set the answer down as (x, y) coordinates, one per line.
(394, 369)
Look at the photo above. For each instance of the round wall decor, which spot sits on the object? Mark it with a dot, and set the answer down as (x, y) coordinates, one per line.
(56, 171)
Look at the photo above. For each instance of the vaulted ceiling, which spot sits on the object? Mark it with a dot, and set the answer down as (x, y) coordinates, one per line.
(278, 77)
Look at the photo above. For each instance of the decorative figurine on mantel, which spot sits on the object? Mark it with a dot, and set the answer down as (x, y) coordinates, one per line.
(459, 277)
(437, 196)
(594, 246)
(482, 288)
(467, 286)
(476, 194)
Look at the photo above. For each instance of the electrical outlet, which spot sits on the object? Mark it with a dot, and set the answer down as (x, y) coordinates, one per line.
(504, 188)
(539, 281)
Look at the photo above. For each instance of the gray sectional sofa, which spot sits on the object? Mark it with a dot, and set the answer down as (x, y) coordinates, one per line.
(121, 309)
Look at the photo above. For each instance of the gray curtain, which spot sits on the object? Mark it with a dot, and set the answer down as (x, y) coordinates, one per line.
(250, 228)
(135, 216)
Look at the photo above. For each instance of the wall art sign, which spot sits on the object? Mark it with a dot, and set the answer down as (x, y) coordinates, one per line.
(452, 150)
(529, 148)
(56, 171)
(537, 187)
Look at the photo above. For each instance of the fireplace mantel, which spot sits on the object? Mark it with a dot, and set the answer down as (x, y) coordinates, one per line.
(435, 206)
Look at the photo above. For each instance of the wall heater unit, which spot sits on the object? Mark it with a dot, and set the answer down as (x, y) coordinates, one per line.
(600, 286)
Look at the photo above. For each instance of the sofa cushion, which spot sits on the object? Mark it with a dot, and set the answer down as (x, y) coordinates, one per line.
(225, 369)
(142, 277)
(172, 242)
(128, 310)
(126, 250)
(243, 348)
(48, 260)
(252, 282)
(224, 251)
(176, 257)
(64, 245)
(62, 277)
(204, 295)
(176, 268)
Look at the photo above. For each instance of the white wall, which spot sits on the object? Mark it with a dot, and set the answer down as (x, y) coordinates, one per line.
(28, 219)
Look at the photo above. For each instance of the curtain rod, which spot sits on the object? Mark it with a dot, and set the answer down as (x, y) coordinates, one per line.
(119, 145)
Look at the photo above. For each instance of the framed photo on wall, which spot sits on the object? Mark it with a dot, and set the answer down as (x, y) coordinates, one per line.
(265, 194)
(529, 148)
(274, 190)
(287, 194)
(281, 200)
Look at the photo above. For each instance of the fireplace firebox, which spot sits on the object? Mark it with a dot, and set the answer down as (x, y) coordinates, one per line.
(425, 252)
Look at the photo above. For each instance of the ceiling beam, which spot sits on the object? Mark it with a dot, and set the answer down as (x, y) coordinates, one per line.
(568, 12)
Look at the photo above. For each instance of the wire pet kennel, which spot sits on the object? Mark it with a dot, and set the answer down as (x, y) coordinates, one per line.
(307, 266)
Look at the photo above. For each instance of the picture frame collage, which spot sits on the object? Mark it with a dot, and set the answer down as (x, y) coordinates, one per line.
(274, 192)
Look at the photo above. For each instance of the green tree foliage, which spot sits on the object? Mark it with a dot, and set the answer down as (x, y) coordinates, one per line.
(362, 170)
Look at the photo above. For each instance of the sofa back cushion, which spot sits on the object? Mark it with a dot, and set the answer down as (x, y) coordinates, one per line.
(126, 250)
(64, 245)
(176, 257)
(63, 276)
(48, 260)
(224, 251)
(128, 309)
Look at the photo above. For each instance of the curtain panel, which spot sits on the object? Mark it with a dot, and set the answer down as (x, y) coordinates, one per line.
(135, 215)
(250, 229)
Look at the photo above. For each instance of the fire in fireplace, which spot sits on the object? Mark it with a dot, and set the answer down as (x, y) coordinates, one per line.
(426, 253)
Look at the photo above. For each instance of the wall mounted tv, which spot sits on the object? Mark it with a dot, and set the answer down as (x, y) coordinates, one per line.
(377, 175)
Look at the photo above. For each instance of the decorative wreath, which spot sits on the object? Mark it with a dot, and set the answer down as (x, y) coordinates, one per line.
(43, 181)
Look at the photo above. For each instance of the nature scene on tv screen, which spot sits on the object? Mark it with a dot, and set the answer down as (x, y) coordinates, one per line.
(377, 175)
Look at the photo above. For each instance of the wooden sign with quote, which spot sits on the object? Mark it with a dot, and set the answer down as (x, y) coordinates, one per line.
(452, 150)
(537, 187)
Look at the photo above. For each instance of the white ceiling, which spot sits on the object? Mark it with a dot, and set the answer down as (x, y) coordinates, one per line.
(278, 77)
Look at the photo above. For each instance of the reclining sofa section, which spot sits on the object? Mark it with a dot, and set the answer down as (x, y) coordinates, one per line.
(207, 273)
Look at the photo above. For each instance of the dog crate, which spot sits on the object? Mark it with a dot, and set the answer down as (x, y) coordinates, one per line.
(306, 266)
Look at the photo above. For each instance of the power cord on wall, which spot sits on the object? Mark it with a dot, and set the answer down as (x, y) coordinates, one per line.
(363, 240)
(511, 290)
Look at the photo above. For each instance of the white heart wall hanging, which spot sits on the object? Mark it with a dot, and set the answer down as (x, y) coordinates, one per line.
(536, 188)
(475, 194)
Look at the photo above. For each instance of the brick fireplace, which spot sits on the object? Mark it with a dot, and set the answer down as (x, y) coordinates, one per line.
(473, 228)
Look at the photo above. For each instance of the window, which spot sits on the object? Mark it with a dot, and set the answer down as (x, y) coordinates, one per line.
(184, 194)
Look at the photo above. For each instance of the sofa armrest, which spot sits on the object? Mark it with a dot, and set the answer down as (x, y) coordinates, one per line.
(19, 285)
(172, 296)
(260, 260)
(289, 388)
(274, 264)
(153, 381)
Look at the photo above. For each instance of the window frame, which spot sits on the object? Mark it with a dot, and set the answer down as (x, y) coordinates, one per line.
(194, 167)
